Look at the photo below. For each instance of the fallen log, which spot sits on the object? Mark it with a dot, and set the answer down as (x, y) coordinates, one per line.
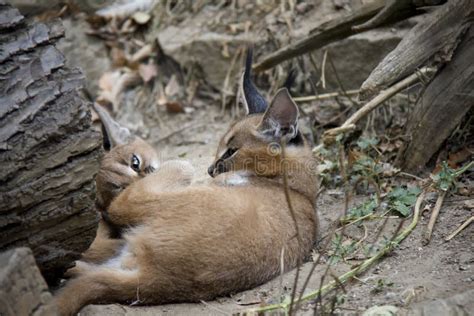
(431, 41)
(394, 7)
(330, 32)
(48, 151)
(446, 100)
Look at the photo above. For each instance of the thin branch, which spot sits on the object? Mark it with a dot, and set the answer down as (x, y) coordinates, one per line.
(324, 96)
(356, 271)
(178, 131)
(434, 216)
(460, 228)
(293, 217)
(322, 35)
(378, 100)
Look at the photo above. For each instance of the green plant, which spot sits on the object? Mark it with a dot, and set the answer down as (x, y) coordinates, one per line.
(350, 274)
(367, 168)
(401, 200)
(446, 178)
(364, 209)
(340, 248)
(380, 285)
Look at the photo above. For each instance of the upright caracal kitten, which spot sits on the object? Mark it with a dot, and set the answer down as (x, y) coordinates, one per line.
(187, 243)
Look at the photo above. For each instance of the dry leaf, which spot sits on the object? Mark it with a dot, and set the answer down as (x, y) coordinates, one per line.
(118, 57)
(141, 17)
(469, 204)
(174, 107)
(108, 80)
(112, 84)
(388, 170)
(147, 71)
(173, 88)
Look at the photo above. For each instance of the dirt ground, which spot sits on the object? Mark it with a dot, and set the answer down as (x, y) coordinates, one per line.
(412, 273)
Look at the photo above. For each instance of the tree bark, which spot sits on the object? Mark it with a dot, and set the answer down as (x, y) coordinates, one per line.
(431, 41)
(48, 152)
(331, 31)
(443, 105)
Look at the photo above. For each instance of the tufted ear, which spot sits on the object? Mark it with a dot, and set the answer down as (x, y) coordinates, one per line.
(114, 134)
(281, 118)
(253, 101)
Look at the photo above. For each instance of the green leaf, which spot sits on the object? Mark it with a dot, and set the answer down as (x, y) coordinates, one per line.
(365, 143)
(401, 200)
(401, 208)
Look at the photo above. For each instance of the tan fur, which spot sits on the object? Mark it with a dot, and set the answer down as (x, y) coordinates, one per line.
(189, 243)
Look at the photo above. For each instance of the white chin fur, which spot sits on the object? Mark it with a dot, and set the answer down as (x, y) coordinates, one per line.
(237, 179)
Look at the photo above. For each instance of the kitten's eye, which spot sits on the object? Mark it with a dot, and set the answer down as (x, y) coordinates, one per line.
(229, 153)
(135, 163)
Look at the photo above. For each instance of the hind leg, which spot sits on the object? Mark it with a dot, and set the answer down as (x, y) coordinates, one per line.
(100, 285)
(103, 247)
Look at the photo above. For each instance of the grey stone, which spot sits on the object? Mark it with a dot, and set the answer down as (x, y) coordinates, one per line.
(84, 51)
(23, 290)
(355, 57)
(461, 304)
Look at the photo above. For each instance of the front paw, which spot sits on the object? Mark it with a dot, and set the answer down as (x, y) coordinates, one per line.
(79, 268)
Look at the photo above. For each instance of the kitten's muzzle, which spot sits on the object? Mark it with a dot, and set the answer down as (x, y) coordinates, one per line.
(217, 168)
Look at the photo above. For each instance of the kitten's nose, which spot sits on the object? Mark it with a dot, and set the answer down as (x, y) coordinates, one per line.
(210, 170)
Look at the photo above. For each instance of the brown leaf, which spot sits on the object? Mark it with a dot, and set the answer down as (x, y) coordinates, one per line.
(118, 57)
(454, 159)
(112, 84)
(174, 107)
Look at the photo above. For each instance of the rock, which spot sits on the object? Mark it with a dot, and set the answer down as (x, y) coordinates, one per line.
(84, 51)
(23, 290)
(384, 310)
(189, 44)
(461, 304)
(354, 58)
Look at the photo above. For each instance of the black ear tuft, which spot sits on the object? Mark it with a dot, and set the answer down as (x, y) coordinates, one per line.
(252, 99)
(290, 80)
(105, 139)
(113, 133)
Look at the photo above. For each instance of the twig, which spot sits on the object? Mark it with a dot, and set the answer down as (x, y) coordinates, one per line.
(339, 82)
(409, 175)
(434, 216)
(375, 102)
(322, 35)
(356, 271)
(323, 69)
(178, 131)
(460, 228)
(227, 78)
(391, 7)
(282, 271)
(324, 96)
(293, 217)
